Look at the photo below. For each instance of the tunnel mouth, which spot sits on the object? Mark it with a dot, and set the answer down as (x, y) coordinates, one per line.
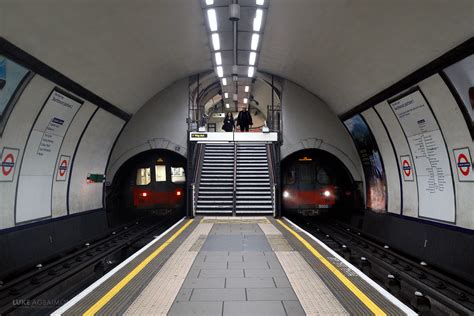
(149, 184)
(316, 183)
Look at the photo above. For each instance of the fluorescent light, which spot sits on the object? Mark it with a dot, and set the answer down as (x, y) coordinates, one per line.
(257, 22)
(254, 44)
(251, 71)
(259, 2)
(252, 58)
(246, 100)
(218, 58)
(220, 71)
(211, 16)
(224, 81)
(227, 105)
(211, 2)
(247, 88)
(216, 42)
(226, 95)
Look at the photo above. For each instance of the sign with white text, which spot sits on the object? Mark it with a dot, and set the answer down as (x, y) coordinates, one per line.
(430, 157)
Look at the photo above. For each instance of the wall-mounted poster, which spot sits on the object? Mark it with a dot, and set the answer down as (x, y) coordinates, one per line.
(41, 156)
(430, 156)
(376, 189)
(461, 78)
(11, 75)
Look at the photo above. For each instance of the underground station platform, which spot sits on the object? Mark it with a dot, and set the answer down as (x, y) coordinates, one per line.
(235, 266)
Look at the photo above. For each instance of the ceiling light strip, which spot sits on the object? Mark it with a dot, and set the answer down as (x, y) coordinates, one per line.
(212, 18)
(254, 43)
(216, 43)
(257, 21)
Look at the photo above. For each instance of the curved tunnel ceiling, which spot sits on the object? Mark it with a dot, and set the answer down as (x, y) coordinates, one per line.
(343, 51)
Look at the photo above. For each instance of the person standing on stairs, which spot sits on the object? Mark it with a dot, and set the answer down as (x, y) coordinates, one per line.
(244, 120)
(229, 124)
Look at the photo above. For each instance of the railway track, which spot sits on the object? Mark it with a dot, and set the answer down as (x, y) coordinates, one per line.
(45, 287)
(427, 290)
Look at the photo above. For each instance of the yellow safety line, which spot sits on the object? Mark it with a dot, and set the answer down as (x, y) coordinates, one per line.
(351, 286)
(119, 286)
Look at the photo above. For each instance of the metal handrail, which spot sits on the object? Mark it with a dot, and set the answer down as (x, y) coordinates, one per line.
(197, 175)
(234, 195)
(193, 187)
(272, 178)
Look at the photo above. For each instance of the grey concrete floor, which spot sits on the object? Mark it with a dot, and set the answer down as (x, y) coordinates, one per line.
(236, 273)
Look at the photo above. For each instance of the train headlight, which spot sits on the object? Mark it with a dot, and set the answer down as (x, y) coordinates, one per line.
(286, 194)
(178, 193)
(327, 193)
(144, 194)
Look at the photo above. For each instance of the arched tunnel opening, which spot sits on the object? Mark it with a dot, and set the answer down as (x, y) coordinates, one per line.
(149, 184)
(315, 183)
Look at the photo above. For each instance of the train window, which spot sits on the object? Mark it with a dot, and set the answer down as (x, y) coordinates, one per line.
(290, 175)
(306, 172)
(177, 175)
(322, 176)
(143, 176)
(160, 171)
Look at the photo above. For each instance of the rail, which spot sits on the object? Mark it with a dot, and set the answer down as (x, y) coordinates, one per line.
(195, 163)
(234, 195)
(272, 176)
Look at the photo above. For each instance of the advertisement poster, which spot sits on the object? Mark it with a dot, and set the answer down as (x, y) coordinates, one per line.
(41, 157)
(461, 76)
(11, 74)
(376, 189)
(430, 157)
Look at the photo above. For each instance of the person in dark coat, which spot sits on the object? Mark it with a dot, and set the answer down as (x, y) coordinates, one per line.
(244, 120)
(229, 124)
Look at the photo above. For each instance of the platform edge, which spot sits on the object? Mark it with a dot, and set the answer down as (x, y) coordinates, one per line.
(371, 282)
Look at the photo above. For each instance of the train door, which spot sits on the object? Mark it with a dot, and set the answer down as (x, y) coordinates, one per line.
(306, 183)
(161, 184)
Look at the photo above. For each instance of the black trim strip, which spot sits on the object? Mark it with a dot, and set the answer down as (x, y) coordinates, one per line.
(459, 101)
(79, 141)
(456, 54)
(396, 158)
(21, 57)
(104, 197)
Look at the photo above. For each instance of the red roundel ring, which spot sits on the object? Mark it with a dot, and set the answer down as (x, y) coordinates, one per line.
(464, 165)
(8, 164)
(63, 168)
(406, 168)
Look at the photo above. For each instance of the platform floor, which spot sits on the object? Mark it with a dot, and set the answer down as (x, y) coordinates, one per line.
(235, 266)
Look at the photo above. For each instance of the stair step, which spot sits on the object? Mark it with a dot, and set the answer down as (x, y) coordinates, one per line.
(213, 212)
(224, 202)
(246, 202)
(253, 206)
(214, 206)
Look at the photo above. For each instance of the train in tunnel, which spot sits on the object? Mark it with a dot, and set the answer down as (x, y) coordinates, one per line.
(314, 182)
(152, 181)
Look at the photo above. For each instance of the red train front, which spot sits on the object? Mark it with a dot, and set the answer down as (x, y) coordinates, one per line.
(159, 184)
(153, 181)
(314, 182)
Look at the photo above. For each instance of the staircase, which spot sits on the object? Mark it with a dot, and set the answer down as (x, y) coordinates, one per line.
(253, 189)
(216, 185)
(235, 177)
